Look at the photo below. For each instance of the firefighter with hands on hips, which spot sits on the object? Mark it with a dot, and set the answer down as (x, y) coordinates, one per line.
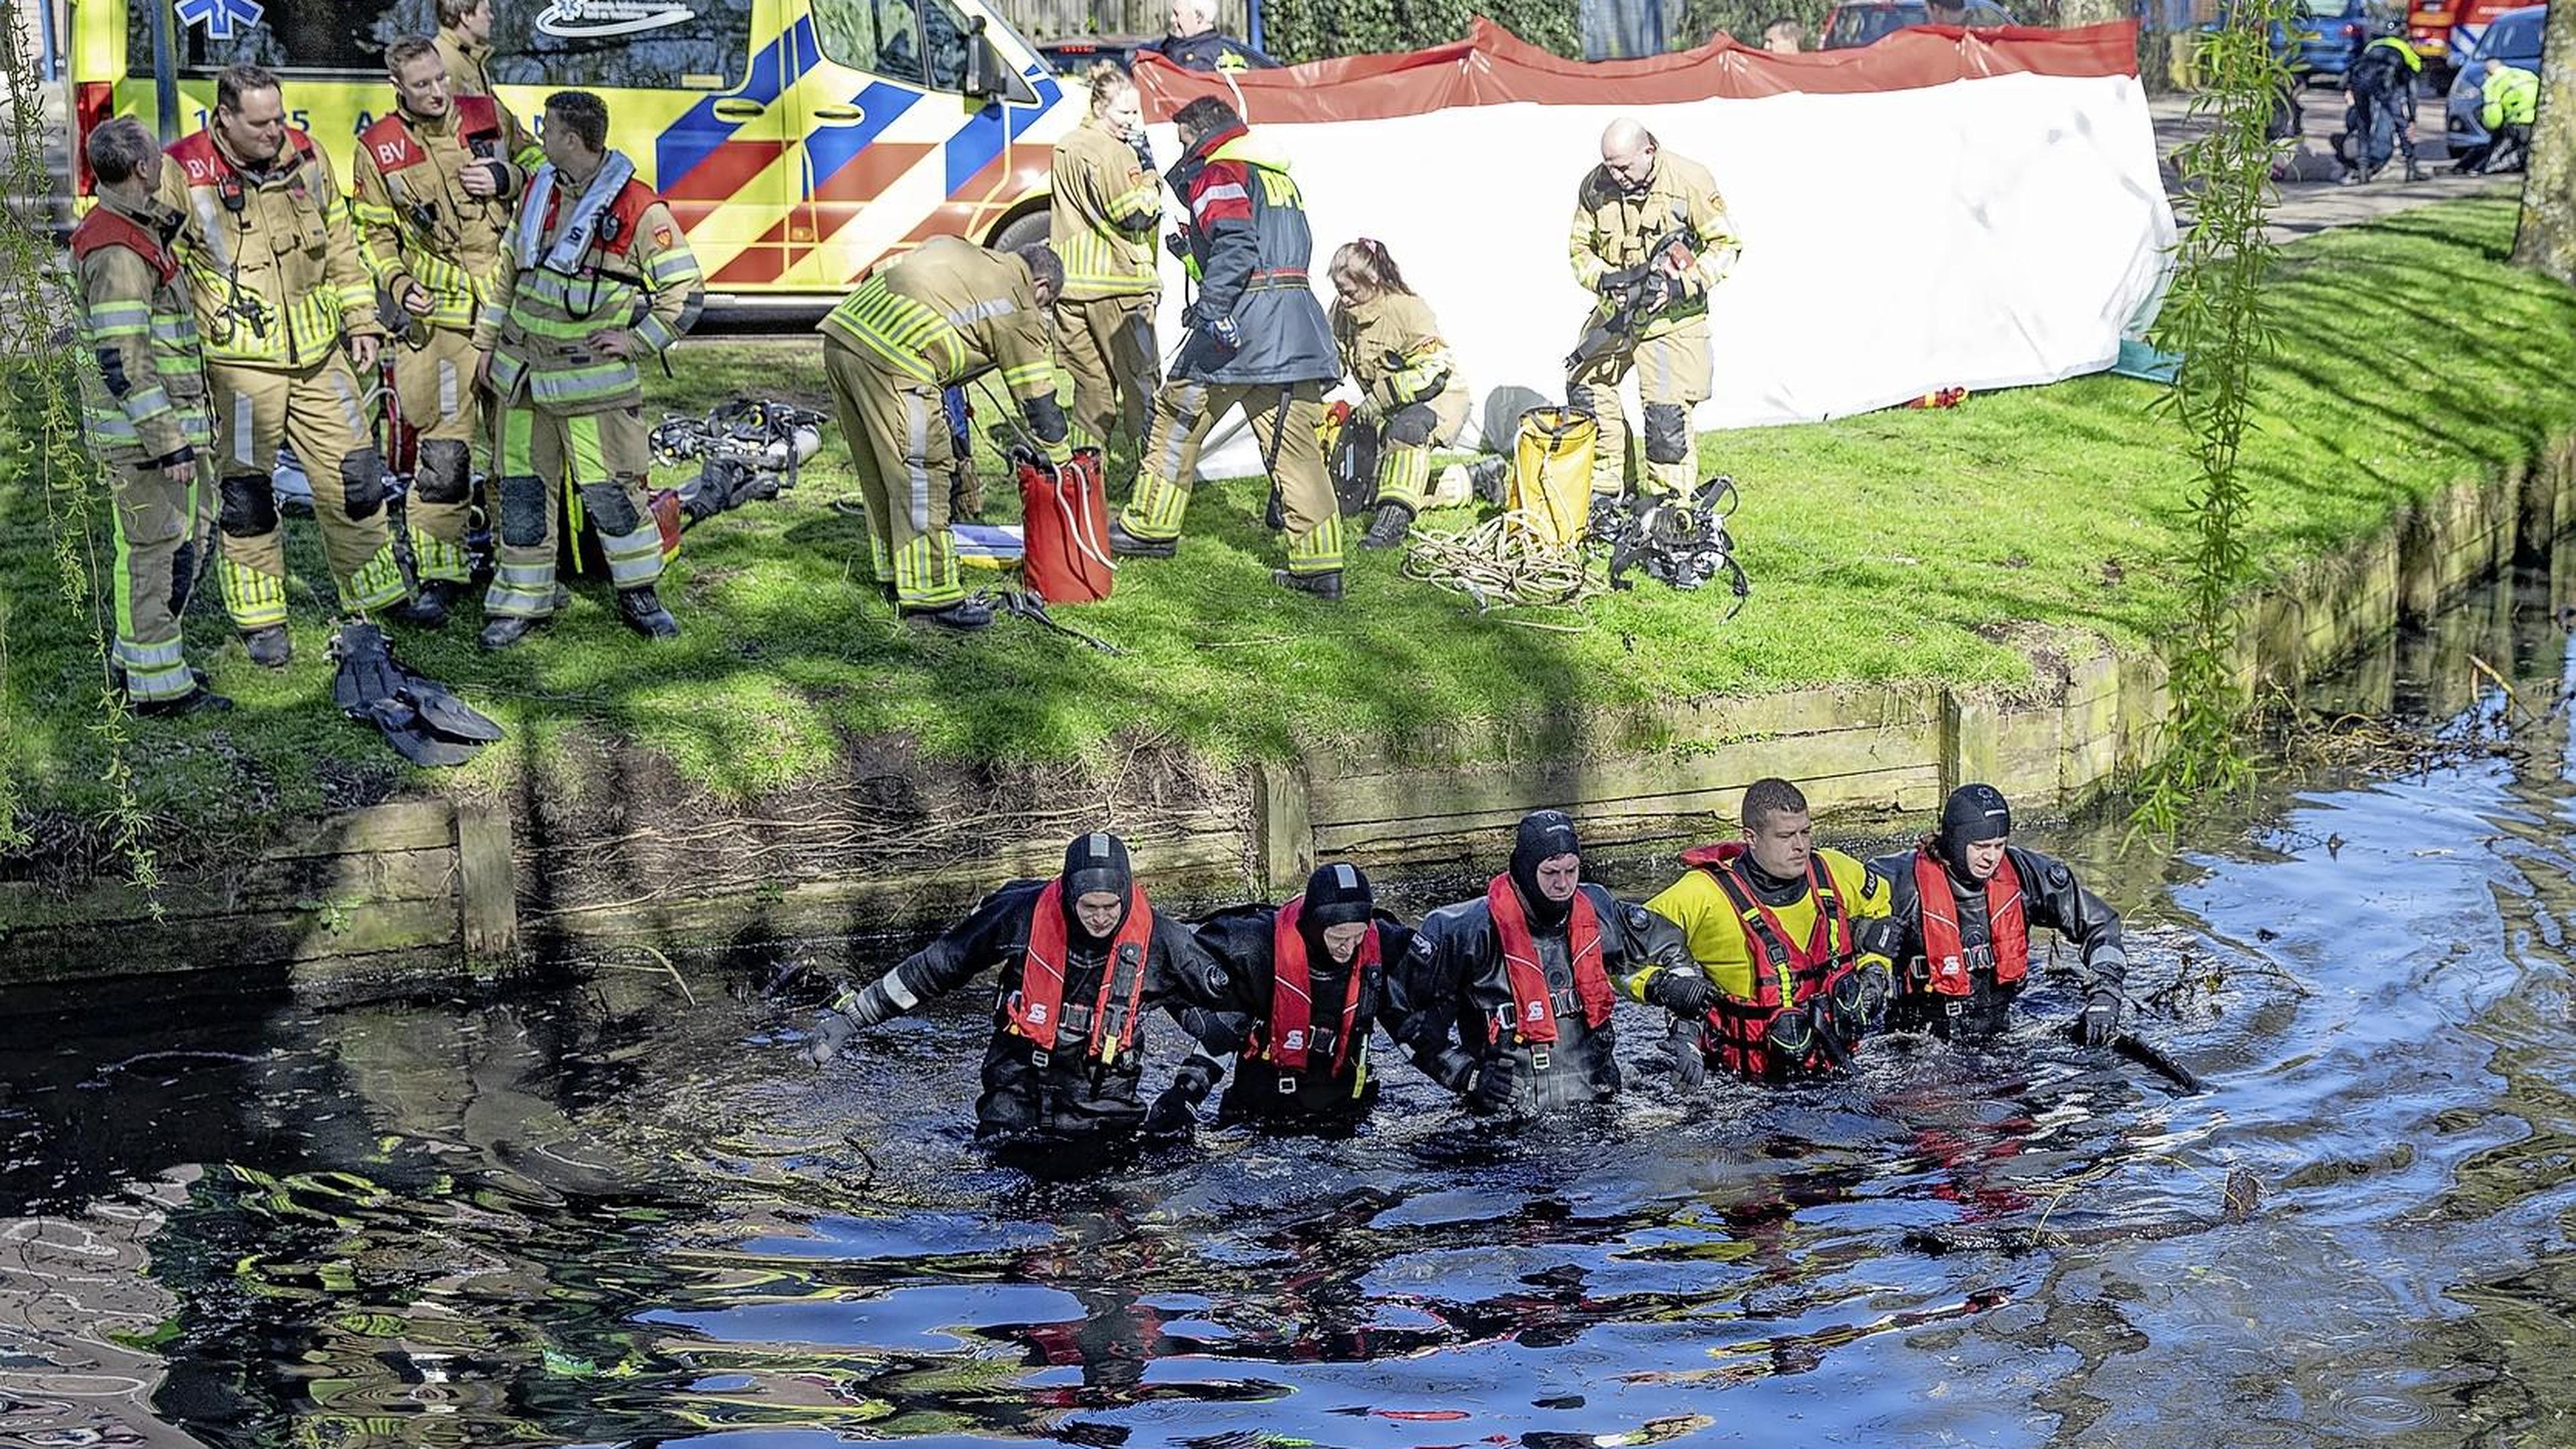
(287, 316)
(1309, 983)
(1650, 238)
(595, 277)
(431, 192)
(1082, 960)
(1411, 390)
(1960, 912)
(1257, 338)
(143, 402)
(1507, 998)
(943, 313)
(1774, 922)
(1106, 205)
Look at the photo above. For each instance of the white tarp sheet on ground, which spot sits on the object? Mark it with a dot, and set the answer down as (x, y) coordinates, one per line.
(1941, 209)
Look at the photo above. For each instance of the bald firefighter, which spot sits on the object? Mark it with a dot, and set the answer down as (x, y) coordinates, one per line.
(1650, 238)
(431, 194)
(1258, 339)
(1783, 988)
(465, 44)
(1101, 223)
(288, 317)
(144, 404)
(596, 277)
(946, 312)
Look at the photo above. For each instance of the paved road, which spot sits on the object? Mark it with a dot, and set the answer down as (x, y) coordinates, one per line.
(2311, 196)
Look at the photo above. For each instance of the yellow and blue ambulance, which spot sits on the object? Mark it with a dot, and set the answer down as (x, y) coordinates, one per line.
(798, 141)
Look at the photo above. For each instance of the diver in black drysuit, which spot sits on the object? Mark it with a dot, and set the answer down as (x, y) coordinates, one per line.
(1508, 996)
(1309, 980)
(1062, 1071)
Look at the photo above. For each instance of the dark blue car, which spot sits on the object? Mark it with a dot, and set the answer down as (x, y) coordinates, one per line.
(2328, 33)
(2514, 38)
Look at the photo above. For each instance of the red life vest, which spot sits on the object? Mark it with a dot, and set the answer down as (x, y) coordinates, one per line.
(1037, 1008)
(1287, 1039)
(1814, 965)
(104, 228)
(625, 215)
(1533, 1011)
(2007, 926)
(393, 146)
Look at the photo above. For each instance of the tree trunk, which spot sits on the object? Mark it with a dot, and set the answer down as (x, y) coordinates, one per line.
(2072, 13)
(2546, 239)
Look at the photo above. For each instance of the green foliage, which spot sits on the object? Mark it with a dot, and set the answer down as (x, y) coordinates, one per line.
(2219, 316)
(45, 455)
(1949, 547)
(1303, 30)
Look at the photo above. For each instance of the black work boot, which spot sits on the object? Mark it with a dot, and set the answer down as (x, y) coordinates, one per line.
(965, 616)
(269, 648)
(503, 631)
(642, 610)
(1123, 544)
(1388, 528)
(2415, 170)
(428, 609)
(199, 700)
(1325, 586)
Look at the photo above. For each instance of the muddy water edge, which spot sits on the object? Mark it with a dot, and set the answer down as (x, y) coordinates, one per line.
(623, 1211)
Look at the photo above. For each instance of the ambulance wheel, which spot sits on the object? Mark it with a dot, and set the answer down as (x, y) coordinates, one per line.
(1022, 231)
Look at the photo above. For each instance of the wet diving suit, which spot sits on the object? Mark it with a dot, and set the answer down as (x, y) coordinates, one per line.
(1962, 984)
(1067, 1049)
(1305, 1062)
(1508, 997)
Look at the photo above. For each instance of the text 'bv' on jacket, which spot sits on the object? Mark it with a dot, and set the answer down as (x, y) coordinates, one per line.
(1251, 245)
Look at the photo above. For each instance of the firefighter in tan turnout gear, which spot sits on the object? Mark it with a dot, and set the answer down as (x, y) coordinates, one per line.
(144, 404)
(431, 192)
(1101, 224)
(286, 311)
(1410, 388)
(947, 311)
(596, 277)
(1650, 238)
(464, 44)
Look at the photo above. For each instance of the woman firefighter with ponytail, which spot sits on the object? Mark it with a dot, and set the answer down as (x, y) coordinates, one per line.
(1102, 223)
(1410, 386)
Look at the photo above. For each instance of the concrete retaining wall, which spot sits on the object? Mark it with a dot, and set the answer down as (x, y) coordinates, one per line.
(430, 889)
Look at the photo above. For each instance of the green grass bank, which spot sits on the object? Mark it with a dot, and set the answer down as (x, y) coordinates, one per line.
(1952, 546)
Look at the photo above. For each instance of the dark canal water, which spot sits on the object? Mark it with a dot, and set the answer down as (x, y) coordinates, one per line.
(605, 1214)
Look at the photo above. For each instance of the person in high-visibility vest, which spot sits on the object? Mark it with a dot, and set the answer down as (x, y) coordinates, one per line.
(595, 278)
(288, 316)
(1101, 223)
(143, 402)
(1410, 386)
(946, 312)
(2381, 121)
(431, 192)
(2508, 103)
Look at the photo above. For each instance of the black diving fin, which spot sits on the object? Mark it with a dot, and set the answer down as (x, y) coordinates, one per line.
(423, 722)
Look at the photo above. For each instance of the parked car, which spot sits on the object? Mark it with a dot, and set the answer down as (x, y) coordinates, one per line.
(2514, 38)
(1870, 21)
(2444, 32)
(2329, 32)
(1074, 54)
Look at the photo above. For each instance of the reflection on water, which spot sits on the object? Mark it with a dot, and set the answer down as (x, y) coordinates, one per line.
(605, 1215)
